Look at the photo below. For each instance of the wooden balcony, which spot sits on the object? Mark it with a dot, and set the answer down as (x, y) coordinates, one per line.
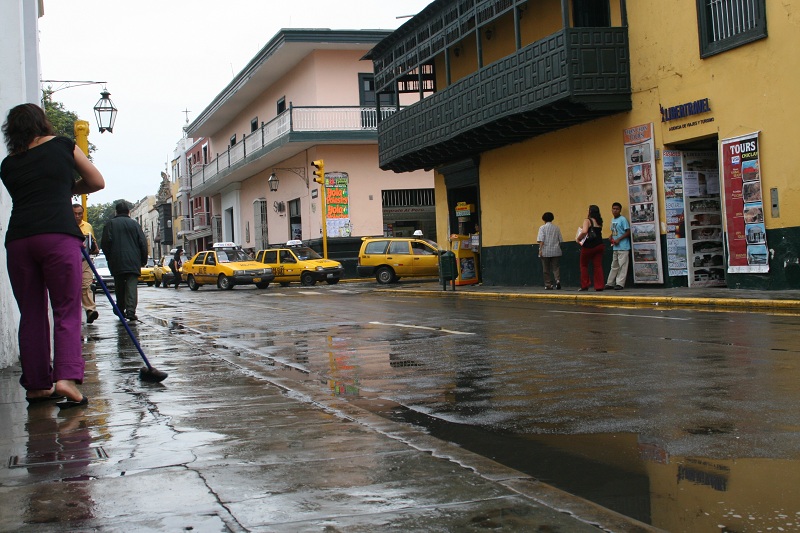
(573, 76)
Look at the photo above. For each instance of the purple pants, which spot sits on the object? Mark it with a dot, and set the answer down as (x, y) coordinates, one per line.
(38, 265)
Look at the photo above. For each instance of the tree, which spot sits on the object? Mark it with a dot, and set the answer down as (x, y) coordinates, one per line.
(63, 120)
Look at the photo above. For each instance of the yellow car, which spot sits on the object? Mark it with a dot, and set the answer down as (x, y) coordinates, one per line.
(296, 262)
(225, 265)
(146, 275)
(162, 271)
(392, 258)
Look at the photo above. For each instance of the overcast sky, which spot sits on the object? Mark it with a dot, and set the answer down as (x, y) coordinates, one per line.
(160, 57)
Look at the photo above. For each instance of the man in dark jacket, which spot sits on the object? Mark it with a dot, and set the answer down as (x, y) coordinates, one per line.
(125, 247)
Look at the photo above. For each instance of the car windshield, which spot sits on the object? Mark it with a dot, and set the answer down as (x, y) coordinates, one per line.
(231, 255)
(150, 263)
(306, 253)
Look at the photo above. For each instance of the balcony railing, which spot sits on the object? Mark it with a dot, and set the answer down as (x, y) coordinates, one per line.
(185, 183)
(293, 120)
(572, 76)
(196, 223)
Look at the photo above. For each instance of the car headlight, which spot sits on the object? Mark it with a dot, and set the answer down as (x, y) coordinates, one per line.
(320, 269)
(239, 272)
(267, 271)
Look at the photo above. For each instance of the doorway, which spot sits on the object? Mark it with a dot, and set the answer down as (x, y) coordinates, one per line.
(695, 225)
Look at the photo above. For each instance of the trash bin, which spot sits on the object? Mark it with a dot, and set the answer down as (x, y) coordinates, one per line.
(447, 269)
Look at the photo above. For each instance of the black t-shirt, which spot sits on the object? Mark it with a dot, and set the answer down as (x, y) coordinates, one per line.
(40, 181)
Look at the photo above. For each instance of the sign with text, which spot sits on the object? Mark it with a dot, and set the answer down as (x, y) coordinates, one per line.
(337, 210)
(643, 208)
(744, 205)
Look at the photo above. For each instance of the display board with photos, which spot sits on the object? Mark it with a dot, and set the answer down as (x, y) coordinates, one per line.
(703, 212)
(643, 204)
(677, 264)
(744, 205)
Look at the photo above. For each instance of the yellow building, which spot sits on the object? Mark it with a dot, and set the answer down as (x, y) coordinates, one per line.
(679, 112)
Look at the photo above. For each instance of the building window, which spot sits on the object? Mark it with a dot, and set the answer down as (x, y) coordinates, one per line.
(254, 125)
(281, 104)
(233, 139)
(727, 24)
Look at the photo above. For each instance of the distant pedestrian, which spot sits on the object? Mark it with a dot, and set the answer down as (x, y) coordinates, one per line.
(90, 243)
(621, 245)
(590, 237)
(125, 247)
(175, 265)
(43, 246)
(550, 240)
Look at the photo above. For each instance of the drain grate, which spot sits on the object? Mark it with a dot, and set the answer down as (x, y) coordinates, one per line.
(92, 453)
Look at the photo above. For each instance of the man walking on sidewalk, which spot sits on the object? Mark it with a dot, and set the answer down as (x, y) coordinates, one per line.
(621, 244)
(87, 298)
(125, 247)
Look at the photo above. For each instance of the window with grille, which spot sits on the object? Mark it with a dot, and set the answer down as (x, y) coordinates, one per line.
(727, 24)
(260, 224)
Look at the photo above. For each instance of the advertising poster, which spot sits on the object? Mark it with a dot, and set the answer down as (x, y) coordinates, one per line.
(744, 206)
(703, 212)
(338, 204)
(673, 205)
(643, 207)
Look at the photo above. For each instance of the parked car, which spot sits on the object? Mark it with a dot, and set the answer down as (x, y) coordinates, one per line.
(101, 265)
(392, 258)
(225, 265)
(162, 271)
(147, 275)
(297, 262)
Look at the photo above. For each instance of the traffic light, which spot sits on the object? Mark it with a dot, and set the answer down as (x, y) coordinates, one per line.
(319, 164)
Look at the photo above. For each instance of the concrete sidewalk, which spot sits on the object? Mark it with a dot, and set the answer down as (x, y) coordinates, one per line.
(225, 445)
(708, 298)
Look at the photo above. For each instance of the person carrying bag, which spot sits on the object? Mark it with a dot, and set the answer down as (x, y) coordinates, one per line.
(590, 237)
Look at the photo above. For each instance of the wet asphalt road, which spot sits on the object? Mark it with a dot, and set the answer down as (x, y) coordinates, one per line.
(684, 419)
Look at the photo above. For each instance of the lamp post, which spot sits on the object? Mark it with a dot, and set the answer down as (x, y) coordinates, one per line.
(106, 115)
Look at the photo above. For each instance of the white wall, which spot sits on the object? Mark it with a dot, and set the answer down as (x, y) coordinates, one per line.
(19, 83)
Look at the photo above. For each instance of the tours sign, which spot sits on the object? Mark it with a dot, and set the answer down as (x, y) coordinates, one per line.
(744, 205)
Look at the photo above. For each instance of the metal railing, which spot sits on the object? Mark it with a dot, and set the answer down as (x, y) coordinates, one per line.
(198, 222)
(294, 119)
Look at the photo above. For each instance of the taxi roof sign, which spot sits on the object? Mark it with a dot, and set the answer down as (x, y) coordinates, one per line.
(225, 245)
(294, 242)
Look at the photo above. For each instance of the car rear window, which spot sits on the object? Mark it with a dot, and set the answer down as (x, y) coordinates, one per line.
(376, 247)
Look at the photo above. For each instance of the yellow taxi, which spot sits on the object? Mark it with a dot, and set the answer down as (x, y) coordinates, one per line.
(162, 272)
(146, 275)
(392, 258)
(225, 265)
(296, 262)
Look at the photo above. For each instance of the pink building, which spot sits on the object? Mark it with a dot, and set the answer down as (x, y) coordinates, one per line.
(307, 95)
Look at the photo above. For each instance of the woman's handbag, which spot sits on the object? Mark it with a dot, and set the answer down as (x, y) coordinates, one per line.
(594, 237)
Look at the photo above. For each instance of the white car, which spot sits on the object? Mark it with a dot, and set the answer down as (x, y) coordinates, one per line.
(101, 265)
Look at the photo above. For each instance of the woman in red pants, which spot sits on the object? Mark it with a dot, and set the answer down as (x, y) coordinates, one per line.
(591, 239)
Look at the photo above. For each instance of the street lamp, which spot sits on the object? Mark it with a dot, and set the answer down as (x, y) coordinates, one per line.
(105, 112)
(273, 182)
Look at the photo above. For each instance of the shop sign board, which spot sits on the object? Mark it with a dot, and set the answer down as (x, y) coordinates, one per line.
(639, 146)
(675, 217)
(337, 204)
(744, 205)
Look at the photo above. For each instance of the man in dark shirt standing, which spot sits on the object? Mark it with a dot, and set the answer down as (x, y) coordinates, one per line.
(125, 247)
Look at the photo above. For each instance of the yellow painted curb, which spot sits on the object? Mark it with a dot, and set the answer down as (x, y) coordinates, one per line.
(675, 301)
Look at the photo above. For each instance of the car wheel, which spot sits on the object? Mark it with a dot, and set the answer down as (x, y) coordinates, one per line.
(192, 283)
(332, 281)
(262, 285)
(151, 283)
(384, 275)
(224, 282)
(307, 279)
(284, 283)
